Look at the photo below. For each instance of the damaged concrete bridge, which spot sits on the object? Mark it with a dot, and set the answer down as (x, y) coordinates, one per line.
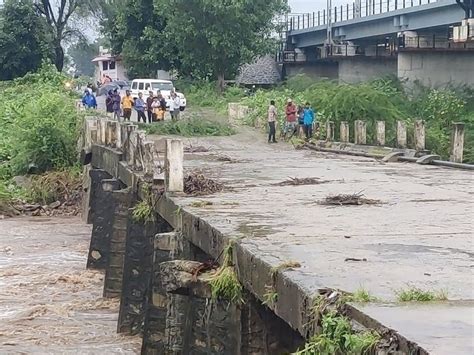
(171, 257)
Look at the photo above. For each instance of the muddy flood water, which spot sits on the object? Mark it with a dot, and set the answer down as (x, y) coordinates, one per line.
(49, 302)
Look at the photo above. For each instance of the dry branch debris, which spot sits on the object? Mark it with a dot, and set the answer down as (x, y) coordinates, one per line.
(349, 199)
(301, 181)
(196, 149)
(196, 184)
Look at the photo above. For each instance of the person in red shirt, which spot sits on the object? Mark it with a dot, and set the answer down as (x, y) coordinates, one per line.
(291, 119)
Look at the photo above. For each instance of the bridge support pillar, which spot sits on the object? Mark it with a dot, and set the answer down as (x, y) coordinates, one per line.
(344, 132)
(419, 135)
(101, 203)
(138, 267)
(330, 131)
(121, 202)
(457, 142)
(360, 132)
(401, 134)
(380, 138)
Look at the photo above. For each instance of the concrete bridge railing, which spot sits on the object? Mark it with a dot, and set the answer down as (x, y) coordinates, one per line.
(417, 153)
(138, 154)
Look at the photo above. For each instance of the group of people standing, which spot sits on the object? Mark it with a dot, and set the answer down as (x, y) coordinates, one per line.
(151, 109)
(298, 118)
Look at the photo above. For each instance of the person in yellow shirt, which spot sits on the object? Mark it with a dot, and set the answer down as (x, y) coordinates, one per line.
(127, 104)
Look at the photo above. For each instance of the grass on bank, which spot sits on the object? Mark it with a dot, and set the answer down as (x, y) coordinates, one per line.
(361, 295)
(338, 337)
(415, 294)
(192, 127)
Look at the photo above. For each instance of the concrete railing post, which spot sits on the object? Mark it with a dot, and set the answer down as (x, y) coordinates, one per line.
(401, 134)
(118, 135)
(330, 131)
(380, 138)
(148, 159)
(174, 172)
(360, 132)
(102, 131)
(419, 135)
(132, 143)
(233, 111)
(344, 132)
(457, 142)
(112, 129)
(242, 112)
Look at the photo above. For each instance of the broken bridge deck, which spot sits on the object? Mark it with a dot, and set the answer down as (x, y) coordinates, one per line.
(421, 235)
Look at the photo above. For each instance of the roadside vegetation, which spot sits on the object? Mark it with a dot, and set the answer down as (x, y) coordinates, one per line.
(189, 127)
(383, 99)
(338, 337)
(415, 294)
(40, 126)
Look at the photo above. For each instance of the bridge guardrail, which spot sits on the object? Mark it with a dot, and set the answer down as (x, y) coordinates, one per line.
(358, 9)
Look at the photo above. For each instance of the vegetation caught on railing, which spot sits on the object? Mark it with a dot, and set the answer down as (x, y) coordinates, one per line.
(224, 282)
(338, 337)
(144, 211)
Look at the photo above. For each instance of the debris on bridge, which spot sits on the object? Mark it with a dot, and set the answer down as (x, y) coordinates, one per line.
(196, 184)
(301, 181)
(349, 199)
(196, 149)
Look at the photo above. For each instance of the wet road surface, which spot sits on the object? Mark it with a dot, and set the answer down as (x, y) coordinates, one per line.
(420, 235)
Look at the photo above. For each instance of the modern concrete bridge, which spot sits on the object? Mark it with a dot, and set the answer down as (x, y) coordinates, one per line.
(378, 23)
(414, 40)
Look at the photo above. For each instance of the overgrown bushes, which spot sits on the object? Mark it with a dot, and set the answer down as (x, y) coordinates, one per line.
(39, 129)
(190, 127)
(39, 121)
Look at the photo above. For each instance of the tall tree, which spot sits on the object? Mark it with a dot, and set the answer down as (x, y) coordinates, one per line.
(58, 14)
(82, 52)
(24, 39)
(136, 32)
(214, 37)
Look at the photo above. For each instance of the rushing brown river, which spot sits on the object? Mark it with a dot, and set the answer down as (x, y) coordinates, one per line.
(49, 302)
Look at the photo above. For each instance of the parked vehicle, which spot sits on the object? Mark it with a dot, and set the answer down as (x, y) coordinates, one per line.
(165, 87)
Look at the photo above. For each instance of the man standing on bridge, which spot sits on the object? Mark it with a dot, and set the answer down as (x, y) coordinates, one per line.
(290, 125)
(127, 104)
(308, 119)
(272, 116)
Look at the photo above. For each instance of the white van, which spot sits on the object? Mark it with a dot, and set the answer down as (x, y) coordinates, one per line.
(165, 87)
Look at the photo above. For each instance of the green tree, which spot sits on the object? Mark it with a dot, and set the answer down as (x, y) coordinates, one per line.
(82, 52)
(215, 37)
(136, 32)
(23, 39)
(60, 17)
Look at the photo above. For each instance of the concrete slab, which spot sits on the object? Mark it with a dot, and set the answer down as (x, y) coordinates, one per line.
(447, 330)
(421, 234)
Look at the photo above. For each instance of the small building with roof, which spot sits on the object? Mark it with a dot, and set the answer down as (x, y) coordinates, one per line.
(109, 65)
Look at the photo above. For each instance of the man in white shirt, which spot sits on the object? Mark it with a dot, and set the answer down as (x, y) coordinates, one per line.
(174, 106)
(272, 117)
